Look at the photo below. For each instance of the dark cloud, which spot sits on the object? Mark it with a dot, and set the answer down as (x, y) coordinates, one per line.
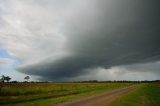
(105, 34)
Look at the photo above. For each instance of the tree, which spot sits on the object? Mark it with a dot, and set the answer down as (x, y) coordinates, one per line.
(2, 78)
(27, 78)
(7, 78)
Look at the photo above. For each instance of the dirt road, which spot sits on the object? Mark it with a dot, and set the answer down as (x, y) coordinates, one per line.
(100, 100)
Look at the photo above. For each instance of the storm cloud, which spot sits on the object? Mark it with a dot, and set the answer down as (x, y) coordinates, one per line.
(59, 40)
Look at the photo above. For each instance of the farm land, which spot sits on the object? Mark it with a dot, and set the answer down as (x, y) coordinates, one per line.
(50, 94)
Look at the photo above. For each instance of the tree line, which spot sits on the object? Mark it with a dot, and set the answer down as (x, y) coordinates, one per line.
(4, 79)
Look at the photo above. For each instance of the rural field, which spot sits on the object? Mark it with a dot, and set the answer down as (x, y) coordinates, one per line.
(79, 52)
(80, 94)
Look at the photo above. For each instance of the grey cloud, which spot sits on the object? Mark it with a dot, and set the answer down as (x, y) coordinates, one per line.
(106, 33)
(147, 67)
(120, 73)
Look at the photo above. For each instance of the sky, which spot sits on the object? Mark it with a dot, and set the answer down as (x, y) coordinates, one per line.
(73, 40)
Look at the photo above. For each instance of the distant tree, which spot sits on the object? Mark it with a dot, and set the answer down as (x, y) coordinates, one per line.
(14, 81)
(7, 78)
(2, 78)
(27, 78)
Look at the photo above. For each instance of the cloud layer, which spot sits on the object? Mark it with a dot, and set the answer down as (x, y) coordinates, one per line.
(59, 40)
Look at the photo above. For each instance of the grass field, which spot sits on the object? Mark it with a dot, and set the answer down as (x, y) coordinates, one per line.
(45, 94)
(147, 95)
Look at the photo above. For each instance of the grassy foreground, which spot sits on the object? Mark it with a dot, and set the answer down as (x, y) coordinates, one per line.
(46, 94)
(147, 95)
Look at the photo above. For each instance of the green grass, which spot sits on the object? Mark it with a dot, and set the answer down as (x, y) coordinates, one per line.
(147, 95)
(45, 94)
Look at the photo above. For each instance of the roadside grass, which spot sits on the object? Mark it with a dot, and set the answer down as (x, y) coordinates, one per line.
(147, 95)
(46, 94)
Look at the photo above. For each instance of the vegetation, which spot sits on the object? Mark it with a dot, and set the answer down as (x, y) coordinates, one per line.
(147, 95)
(44, 94)
(27, 78)
(5, 78)
(13, 93)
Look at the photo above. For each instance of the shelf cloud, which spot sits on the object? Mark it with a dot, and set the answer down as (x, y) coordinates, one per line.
(75, 39)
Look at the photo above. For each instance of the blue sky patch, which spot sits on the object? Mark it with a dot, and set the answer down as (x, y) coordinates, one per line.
(4, 54)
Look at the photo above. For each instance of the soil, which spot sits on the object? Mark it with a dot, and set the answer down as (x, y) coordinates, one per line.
(100, 100)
